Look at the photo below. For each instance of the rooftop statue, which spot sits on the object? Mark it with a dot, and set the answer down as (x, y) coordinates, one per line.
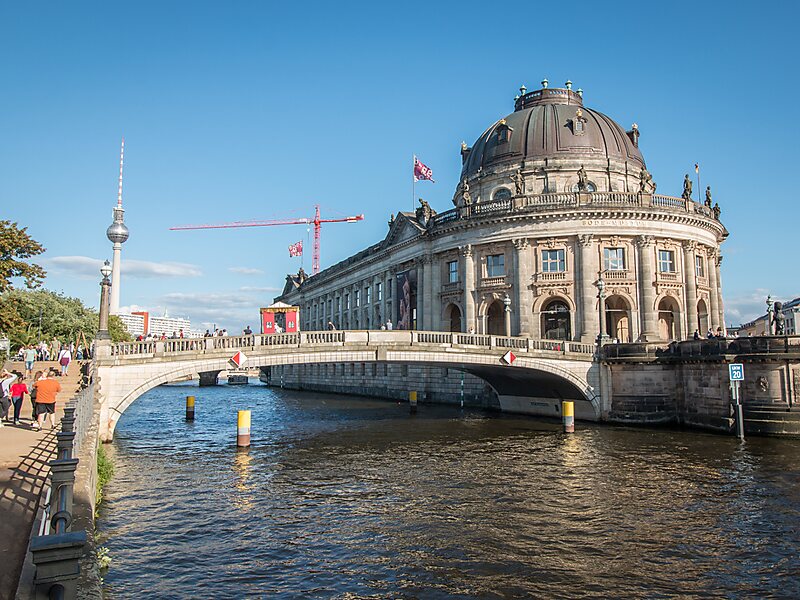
(583, 180)
(708, 196)
(687, 188)
(519, 182)
(716, 210)
(646, 183)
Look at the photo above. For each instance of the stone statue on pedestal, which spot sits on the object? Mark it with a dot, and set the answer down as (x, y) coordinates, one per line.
(687, 188)
(777, 318)
(708, 196)
(646, 183)
(583, 180)
(519, 182)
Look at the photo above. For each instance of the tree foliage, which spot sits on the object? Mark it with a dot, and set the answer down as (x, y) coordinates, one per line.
(15, 247)
(28, 316)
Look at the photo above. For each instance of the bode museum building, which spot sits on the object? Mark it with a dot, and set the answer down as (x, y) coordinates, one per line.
(555, 212)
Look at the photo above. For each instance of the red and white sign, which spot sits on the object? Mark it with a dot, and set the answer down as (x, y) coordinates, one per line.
(238, 359)
(509, 357)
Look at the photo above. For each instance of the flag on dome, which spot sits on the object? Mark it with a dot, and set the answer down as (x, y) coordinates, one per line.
(696, 167)
(422, 171)
(296, 249)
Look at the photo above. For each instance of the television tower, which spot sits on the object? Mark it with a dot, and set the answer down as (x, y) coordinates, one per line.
(117, 233)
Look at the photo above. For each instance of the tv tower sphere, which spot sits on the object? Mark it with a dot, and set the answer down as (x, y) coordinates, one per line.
(117, 232)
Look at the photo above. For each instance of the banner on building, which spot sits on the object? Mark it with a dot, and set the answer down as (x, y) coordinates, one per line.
(406, 311)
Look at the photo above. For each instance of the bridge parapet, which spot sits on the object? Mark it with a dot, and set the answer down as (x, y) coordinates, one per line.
(190, 347)
(758, 345)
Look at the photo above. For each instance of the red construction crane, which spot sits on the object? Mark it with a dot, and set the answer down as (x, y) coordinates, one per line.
(317, 222)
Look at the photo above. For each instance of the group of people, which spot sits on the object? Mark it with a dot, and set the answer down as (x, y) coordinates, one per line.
(42, 392)
(388, 326)
(64, 356)
(150, 337)
(710, 334)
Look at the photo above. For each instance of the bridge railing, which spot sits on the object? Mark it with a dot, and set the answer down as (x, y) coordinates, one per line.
(179, 347)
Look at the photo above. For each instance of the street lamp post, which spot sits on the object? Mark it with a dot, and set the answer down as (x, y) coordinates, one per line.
(105, 284)
(768, 320)
(507, 305)
(602, 338)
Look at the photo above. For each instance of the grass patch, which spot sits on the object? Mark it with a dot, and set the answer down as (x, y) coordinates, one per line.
(105, 471)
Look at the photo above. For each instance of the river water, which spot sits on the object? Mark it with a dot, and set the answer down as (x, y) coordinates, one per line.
(344, 497)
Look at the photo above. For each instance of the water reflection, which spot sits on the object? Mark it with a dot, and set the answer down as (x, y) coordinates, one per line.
(350, 498)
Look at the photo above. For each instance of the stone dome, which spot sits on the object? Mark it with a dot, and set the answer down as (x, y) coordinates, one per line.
(551, 127)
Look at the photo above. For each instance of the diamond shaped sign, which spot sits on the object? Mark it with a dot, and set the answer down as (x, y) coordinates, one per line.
(238, 359)
(509, 357)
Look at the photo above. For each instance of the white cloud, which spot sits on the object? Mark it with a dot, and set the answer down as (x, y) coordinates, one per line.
(250, 288)
(89, 268)
(742, 309)
(231, 310)
(245, 270)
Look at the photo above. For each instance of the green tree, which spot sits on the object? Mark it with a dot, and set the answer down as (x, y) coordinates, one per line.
(116, 330)
(15, 247)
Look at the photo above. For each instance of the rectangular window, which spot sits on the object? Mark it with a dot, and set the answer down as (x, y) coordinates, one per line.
(330, 306)
(699, 267)
(495, 265)
(554, 261)
(347, 301)
(367, 294)
(452, 271)
(389, 290)
(338, 304)
(614, 259)
(666, 261)
(356, 298)
(379, 291)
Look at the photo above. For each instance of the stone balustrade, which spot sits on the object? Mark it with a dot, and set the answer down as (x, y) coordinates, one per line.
(562, 200)
(126, 351)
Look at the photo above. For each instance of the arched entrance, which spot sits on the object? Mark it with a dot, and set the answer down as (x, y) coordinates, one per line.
(495, 325)
(556, 321)
(452, 315)
(703, 324)
(618, 319)
(668, 319)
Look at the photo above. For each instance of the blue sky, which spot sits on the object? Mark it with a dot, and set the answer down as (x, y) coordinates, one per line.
(259, 110)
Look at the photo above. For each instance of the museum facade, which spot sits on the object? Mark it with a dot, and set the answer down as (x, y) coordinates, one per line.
(555, 215)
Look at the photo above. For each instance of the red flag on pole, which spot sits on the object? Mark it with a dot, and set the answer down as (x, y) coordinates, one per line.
(296, 249)
(422, 171)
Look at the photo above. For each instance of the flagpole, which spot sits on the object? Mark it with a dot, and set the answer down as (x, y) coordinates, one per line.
(413, 180)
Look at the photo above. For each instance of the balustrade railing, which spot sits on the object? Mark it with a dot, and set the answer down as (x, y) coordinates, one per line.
(558, 200)
(204, 346)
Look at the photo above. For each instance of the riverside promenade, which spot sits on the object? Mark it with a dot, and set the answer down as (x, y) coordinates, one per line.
(24, 457)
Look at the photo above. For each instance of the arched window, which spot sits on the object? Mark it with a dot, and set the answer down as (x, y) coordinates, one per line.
(556, 321)
(668, 319)
(590, 187)
(703, 324)
(453, 317)
(501, 194)
(618, 318)
(495, 320)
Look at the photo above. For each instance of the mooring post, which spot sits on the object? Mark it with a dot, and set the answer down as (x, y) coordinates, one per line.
(412, 402)
(568, 415)
(190, 408)
(243, 429)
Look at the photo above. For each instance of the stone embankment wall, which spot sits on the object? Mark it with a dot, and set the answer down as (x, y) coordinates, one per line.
(386, 380)
(688, 384)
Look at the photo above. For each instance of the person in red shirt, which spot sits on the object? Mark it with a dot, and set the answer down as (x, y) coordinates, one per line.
(18, 391)
(46, 390)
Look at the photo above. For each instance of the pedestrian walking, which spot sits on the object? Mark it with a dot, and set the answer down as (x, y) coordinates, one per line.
(18, 390)
(47, 389)
(30, 356)
(36, 377)
(7, 378)
(64, 358)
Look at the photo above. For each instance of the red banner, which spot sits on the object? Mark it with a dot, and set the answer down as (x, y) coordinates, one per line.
(422, 171)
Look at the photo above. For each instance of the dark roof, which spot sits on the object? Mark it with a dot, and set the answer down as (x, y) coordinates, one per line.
(542, 127)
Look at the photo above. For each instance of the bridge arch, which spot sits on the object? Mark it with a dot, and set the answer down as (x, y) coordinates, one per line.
(548, 371)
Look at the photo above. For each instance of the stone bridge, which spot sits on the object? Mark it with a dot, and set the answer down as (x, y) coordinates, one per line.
(543, 368)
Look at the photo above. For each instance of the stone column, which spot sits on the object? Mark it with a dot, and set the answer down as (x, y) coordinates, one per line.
(587, 320)
(720, 307)
(690, 280)
(469, 288)
(522, 277)
(713, 292)
(649, 314)
(425, 319)
(436, 288)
